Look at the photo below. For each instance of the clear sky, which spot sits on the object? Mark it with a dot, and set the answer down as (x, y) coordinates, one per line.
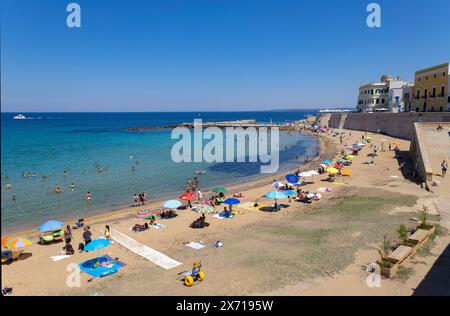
(194, 55)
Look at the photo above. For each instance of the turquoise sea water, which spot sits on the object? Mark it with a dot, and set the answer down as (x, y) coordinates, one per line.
(49, 143)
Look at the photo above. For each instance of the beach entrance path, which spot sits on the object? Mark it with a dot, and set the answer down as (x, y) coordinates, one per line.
(142, 250)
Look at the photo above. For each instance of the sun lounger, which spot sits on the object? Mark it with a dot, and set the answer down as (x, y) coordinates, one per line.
(58, 235)
(46, 239)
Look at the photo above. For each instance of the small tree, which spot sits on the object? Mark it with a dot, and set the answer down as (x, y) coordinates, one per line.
(402, 233)
(423, 217)
(384, 249)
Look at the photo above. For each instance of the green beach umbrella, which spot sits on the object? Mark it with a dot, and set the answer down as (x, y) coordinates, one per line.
(220, 190)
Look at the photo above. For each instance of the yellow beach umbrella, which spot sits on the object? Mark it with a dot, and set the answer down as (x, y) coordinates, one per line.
(332, 170)
(345, 172)
(349, 157)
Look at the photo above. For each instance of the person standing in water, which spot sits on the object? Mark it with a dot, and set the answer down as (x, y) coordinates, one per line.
(57, 189)
(88, 196)
(72, 186)
(107, 233)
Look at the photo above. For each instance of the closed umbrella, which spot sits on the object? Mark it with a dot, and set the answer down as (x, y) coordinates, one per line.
(172, 204)
(50, 225)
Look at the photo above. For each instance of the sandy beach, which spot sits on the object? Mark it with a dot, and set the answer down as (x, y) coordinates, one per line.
(304, 249)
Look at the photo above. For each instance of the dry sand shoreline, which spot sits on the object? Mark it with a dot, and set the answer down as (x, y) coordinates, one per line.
(307, 249)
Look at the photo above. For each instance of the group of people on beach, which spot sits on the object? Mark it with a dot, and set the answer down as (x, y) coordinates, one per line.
(140, 199)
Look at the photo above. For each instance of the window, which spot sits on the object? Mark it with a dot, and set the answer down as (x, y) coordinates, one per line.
(425, 93)
(419, 79)
(434, 92)
(418, 94)
(442, 91)
(382, 101)
(432, 109)
(378, 101)
(434, 76)
(441, 109)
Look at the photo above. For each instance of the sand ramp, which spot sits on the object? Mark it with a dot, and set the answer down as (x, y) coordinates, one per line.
(142, 250)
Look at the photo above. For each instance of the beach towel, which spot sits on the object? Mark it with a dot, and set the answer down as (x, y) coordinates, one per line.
(195, 245)
(58, 258)
(218, 216)
(158, 226)
(324, 190)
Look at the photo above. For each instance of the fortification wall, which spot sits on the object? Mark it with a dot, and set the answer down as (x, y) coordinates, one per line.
(398, 125)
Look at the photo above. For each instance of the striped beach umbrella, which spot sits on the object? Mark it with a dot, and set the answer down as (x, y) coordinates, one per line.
(205, 209)
(18, 242)
(4, 240)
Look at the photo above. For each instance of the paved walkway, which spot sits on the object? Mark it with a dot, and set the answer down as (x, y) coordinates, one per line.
(142, 250)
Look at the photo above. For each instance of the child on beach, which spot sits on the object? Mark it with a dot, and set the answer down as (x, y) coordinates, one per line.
(107, 233)
(444, 167)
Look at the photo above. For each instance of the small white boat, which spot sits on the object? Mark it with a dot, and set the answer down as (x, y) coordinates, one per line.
(19, 117)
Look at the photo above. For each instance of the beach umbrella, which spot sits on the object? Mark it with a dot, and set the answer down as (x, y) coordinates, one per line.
(356, 149)
(97, 244)
(205, 209)
(278, 184)
(220, 190)
(4, 240)
(345, 172)
(349, 156)
(18, 242)
(171, 204)
(187, 196)
(327, 162)
(338, 167)
(348, 147)
(276, 195)
(313, 173)
(305, 174)
(332, 170)
(361, 144)
(292, 178)
(231, 201)
(50, 225)
(290, 192)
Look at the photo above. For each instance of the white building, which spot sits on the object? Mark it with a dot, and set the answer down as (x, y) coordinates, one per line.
(377, 96)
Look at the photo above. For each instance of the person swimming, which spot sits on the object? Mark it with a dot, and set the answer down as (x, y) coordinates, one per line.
(58, 189)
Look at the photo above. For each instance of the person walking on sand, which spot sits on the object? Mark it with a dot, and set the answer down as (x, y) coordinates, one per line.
(444, 167)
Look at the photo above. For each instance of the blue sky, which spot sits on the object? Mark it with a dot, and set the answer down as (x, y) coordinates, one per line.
(194, 55)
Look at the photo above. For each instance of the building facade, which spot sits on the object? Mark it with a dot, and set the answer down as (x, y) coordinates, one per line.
(431, 89)
(386, 95)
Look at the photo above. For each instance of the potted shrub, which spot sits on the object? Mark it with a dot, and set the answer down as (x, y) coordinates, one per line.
(388, 268)
(403, 233)
(423, 216)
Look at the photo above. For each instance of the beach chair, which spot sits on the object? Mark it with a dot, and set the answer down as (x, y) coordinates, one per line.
(58, 235)
(46, 238)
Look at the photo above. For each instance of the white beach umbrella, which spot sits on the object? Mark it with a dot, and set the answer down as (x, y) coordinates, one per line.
(278, 184)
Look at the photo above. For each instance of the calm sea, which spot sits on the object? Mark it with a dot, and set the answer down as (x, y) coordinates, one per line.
(49, 143)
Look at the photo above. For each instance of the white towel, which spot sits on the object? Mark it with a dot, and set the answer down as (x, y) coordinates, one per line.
(57, 258)
(195, 245)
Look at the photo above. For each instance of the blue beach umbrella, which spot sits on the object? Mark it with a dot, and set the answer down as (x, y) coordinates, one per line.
(172, 204)
(97, 244)
(231, 201)
(327, 162)
(50, 225)
(276, 195)
(290, 192)
(292, 178)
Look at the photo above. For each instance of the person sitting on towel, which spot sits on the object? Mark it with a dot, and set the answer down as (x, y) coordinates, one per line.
(69, 249)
